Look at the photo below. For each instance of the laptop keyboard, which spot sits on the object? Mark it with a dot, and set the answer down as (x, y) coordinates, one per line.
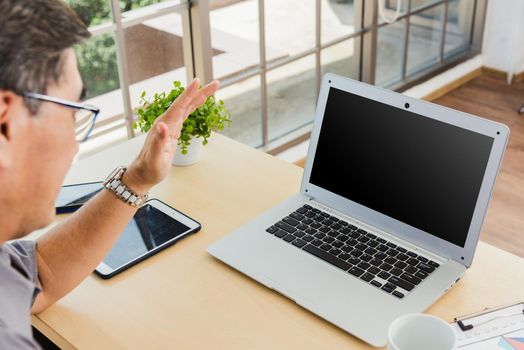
(374, 260)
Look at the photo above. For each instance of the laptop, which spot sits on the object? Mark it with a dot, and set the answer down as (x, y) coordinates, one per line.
(389, 212)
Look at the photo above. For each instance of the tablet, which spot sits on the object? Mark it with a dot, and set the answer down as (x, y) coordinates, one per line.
(154, 227)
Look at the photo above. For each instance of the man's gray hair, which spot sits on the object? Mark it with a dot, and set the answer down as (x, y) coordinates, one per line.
(33, 37)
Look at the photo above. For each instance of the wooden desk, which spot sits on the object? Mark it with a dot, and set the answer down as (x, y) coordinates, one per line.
(183, 298)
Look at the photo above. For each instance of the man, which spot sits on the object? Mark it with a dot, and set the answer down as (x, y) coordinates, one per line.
(39, 85)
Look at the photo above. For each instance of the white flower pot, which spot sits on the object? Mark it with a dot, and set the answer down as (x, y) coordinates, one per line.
(194, 150)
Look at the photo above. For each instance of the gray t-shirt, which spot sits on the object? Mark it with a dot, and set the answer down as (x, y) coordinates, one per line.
(19, 287)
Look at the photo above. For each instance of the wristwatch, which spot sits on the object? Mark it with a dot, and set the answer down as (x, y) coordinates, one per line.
(115, 184)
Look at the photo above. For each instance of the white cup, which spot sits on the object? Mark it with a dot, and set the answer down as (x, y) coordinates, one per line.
(420, 331)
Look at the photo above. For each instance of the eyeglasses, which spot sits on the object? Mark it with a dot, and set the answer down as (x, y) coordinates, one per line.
(85, 115)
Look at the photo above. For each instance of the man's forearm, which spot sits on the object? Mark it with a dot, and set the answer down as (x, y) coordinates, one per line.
(69, 252)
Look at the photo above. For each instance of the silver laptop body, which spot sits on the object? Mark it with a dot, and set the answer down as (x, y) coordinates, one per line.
(404, 175)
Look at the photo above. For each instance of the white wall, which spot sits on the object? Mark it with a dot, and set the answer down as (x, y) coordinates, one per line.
(503, 46)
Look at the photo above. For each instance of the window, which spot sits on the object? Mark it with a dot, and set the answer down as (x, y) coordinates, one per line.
(270, 55)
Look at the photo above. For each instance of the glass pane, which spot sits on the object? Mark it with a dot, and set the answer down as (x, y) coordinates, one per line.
(92, 12)
(425, 32)
(292, 96)
(338, 19)
(389, 10)
(390, 43)
(130, 5)
(416, 4)
(155, 55)
(242, 99)
(98, 67)
(458, 27)
(290, 27)
(235, 42)
(339, 59)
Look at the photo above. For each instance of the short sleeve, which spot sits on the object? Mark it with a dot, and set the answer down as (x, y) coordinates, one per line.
(23, 259)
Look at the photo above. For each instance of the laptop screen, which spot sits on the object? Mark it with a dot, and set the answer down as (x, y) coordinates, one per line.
(420, 171)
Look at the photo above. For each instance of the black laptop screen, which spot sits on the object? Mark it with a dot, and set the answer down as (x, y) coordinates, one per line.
(417, 170)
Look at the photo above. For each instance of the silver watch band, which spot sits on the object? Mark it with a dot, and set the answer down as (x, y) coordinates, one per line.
(115, 184)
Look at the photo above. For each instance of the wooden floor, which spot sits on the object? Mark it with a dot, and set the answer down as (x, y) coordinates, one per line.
(490, 97)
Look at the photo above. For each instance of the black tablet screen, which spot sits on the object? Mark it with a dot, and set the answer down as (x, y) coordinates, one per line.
(149, 228)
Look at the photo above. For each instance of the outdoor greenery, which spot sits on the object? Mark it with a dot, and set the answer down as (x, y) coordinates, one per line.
(97, 56)
(211, 116)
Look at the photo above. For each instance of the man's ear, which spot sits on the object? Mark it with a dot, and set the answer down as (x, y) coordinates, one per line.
(8, 102)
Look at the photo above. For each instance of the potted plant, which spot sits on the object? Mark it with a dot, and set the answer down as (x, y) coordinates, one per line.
(211, 116)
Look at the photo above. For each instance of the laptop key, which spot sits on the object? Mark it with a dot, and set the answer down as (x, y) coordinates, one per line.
(335, 251)
(354, 235)
(361, 246)
(307, 206)
(401, 283)
(289, 237)
(272, 229)
(299, 233)
(297, 216)
(412, 261)
(356, 271)
(410, 269)
(299, 243)
(327, 222)
(343, 238)
(384, 275)
(364, 265)
(310, 214)
(388, 287)
(361, 231)
(402, 257)
(434, 264)
(325, 247)
(315, 225)
(280, 233)
(311, 231)
(352, 242)
(324, 229)
(357, 252)
(423, 259)
(290, 221)
(395, 271)
(381, 240)
(390, 261)
(338, 244)
(326, 215)
(363, 239)
(410, 278)
(307, 221)
(343, 223)
(353, 227)
(319, 253)
(308, 238)
(426, 267)
(316, 242)
(336, 226)
(375, 262)
(366, 257)
(392, 252)
(374, 270)
(412, 254)
(383, 248)
(386, 267)
(329, 239)
(391, 245)
(285, 227)
(320, 235)
(373, 244)
(421, 274)
(302, 210)
(398, 294)
(333, 233)
(402, 250)
(400, 264)
(367, 277)
(380, 255)
(353, 260)
(302, 227)
(376, 283)
(344, 256)
(370, 251)
(347, 248)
